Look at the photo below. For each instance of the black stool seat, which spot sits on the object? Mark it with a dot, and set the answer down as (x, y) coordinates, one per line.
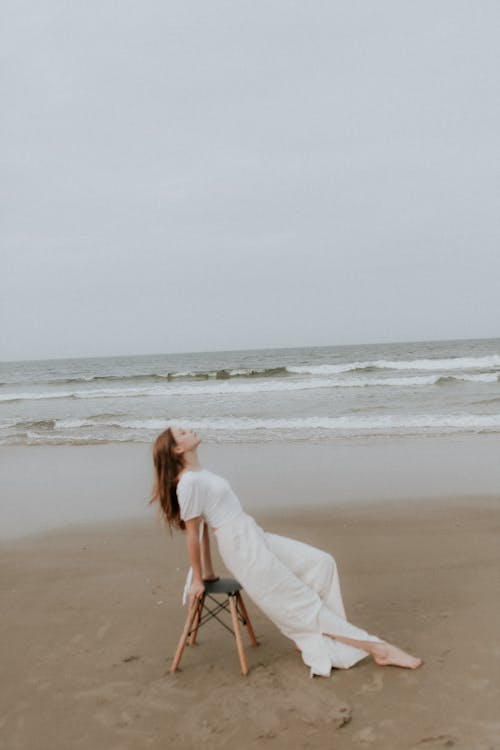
(227, 586)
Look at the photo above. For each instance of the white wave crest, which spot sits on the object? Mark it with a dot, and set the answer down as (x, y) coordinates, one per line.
(485, 377)
(327, 369)
(380, 422)
(451, 363)
(228, 387)
(33, 396)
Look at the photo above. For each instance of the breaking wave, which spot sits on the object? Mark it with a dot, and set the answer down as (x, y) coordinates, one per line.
(451, 363)
(228, 387)
(88, 431)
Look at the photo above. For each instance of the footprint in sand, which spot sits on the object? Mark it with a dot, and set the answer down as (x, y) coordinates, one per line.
(110, 691)
(106, 718)
(38, 683)
(442, 656)
(43, 685)
(375, 684)
(103, 630)
(341, 716)
(435, 741)
(481, 683)
(365, 736)
(408, 677)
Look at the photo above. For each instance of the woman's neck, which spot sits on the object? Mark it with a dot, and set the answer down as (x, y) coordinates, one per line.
(190, 461)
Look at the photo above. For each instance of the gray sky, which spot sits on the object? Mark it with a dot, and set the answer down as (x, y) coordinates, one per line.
(182, 176)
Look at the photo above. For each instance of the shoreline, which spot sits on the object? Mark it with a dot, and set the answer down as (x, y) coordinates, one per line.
(360, 508)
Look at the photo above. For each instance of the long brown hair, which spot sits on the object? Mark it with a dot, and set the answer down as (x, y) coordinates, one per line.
(168, 465)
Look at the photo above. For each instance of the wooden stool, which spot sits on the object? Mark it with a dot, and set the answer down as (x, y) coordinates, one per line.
(199, 613)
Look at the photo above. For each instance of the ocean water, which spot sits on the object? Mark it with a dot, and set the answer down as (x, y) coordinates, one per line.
(312, 393)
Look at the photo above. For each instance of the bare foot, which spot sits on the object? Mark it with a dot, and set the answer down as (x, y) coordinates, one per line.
(385, 654)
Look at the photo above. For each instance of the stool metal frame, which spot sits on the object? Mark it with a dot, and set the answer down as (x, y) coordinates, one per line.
(200, 613)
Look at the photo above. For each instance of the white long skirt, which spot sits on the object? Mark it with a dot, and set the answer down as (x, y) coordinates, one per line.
(297, 587)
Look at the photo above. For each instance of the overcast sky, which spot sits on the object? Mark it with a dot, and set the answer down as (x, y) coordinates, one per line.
(185, 176)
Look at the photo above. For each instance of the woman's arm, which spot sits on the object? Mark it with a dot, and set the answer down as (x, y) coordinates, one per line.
(206, 559)
(194, 551)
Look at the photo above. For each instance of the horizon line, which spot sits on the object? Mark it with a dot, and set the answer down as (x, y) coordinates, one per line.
(253, 349)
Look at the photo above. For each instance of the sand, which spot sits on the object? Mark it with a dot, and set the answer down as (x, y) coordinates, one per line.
(91, 616)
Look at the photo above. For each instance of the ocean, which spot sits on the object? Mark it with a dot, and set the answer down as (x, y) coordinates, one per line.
(321, 394)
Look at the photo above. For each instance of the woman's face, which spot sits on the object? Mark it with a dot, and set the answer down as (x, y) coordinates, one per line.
(186, 440)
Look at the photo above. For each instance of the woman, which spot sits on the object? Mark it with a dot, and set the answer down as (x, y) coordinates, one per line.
(296, 585)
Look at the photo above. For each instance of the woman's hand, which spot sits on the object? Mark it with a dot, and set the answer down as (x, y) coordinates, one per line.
(196, 591)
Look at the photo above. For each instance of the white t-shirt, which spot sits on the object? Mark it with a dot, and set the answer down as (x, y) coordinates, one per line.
(203, 493)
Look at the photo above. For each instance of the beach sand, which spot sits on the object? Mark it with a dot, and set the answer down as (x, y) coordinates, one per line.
(91, 616)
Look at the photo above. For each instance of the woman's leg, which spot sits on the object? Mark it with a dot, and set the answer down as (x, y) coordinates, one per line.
(316, 568)
(295, 607)
(384, 654)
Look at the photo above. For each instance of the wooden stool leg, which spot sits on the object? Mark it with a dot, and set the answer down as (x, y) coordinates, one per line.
(238, 636)
(187, 627)
(196, 623)
(248, 624)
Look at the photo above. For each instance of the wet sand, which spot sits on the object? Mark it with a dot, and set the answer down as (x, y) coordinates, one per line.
(92, 615)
